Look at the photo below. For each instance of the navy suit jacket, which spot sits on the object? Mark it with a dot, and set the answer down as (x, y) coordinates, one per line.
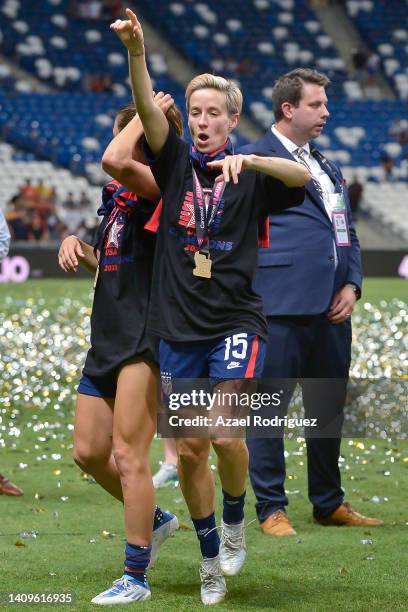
(297, 273)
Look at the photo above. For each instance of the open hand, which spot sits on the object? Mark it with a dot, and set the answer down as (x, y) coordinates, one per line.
(130, 32)
(68, 254)
(231, 167)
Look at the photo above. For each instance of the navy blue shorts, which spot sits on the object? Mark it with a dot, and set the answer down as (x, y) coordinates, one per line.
(98, 386)
(235, 357)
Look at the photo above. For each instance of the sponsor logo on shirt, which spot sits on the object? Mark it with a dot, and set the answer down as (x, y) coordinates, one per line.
(233, 364)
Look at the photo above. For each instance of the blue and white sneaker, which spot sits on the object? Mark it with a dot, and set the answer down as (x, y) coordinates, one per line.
(125, 590)
(165, 529)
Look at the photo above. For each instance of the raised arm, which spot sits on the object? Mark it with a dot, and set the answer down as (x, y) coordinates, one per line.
(291, 173)
(154, 123)
(118, 160)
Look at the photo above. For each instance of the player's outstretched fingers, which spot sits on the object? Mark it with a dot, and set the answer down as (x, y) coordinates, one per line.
(215, 165)
(234, 168)
(65, 262)
(136, 25)
(72, 261)
(240, 161)
(61, 262)
(226, 169)
(132, 16)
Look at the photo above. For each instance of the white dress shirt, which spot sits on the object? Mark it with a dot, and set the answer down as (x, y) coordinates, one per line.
(315, 168)
(317, 172)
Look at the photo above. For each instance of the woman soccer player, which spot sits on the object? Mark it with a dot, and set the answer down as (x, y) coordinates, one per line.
(117, 394)
(203, 309)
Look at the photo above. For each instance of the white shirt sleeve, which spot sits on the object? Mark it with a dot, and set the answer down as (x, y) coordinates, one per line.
(4, 237)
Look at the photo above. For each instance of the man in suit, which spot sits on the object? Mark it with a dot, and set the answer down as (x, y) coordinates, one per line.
(310, 279)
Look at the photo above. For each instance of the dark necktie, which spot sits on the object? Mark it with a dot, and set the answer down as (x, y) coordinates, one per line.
(300, 154)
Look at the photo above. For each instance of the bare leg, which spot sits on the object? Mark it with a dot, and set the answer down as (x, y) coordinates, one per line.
(133, 430)
(93, 442)
(196, 479)
(232, 452)
(232, 464)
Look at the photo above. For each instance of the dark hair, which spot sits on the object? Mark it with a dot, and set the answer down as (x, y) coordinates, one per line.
(173, 115)
(288, 88)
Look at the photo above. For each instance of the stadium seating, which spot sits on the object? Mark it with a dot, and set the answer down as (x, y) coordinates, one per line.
(46, 40)
(383, 25)
(266, 38)
(16, 167)
(387, 202)
(253, 40)
(70, 129)
(250, 40)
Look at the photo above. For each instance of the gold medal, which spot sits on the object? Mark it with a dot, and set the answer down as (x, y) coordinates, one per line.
(203, 265)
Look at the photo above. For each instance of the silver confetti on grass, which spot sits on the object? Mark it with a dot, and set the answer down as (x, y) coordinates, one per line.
(380, 343)
(43, 351)
(376, 403)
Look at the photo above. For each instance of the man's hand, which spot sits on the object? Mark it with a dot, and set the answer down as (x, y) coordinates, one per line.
(342, 305)
(231, 166)
(130, 32)
(69, 252)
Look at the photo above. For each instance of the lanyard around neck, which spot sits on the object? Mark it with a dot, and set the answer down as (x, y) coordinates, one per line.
(205, 218)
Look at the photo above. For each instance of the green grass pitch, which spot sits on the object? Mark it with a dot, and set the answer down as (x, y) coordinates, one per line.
(79, 529)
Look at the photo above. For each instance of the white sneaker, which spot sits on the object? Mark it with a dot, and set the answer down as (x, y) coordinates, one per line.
(213, 587)
(123, 591)
(232, 548)
(165, 476)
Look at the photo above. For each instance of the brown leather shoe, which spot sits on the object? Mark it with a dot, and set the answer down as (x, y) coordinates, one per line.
(278, 524)
(9, 488)
(345, 515)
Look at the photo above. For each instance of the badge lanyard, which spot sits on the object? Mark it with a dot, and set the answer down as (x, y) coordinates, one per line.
(339, 219)
(338, 209)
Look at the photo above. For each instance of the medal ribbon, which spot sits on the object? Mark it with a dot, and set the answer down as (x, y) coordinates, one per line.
(204, 219)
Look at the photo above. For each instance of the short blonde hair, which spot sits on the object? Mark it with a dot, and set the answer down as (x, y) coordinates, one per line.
(233, 94)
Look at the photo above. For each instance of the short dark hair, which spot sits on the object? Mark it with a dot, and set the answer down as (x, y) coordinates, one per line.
(288, 88)
(174, 117)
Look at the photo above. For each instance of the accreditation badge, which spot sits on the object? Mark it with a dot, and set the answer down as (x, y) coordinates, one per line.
(339, 219)
(341, 229)
(337, 201)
